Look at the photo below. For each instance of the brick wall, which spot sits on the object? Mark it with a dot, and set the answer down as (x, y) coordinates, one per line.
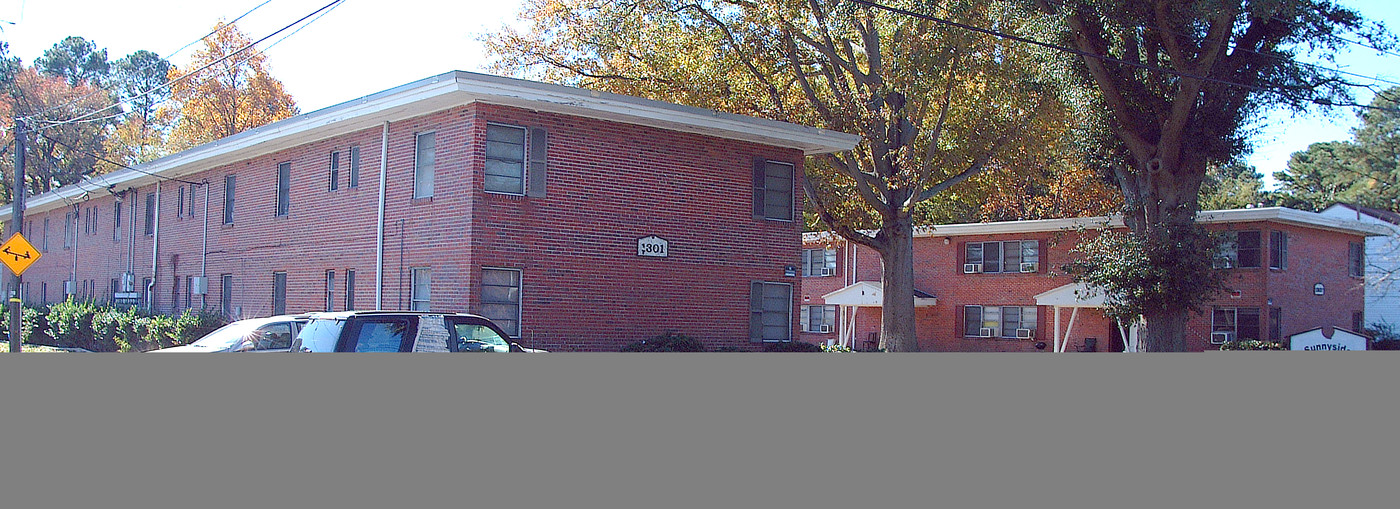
(583, 288)
(1314, 255)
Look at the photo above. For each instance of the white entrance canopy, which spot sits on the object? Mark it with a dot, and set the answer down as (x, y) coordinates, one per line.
(871, 294)
(864, 294)
(1068, 296)
(1076, 296)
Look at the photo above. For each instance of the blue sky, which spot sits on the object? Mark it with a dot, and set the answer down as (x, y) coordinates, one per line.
(364, 46)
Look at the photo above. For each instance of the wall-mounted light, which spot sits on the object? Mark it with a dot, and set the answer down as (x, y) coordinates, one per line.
(1318, 289)
(946, 240)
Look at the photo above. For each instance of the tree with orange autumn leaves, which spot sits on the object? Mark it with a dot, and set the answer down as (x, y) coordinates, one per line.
(230, 96)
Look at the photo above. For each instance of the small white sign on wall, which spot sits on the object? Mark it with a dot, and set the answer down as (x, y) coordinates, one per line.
(653, 246)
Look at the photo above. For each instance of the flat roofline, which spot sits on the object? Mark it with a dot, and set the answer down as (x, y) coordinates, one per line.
(437, 93)
(1276, 214)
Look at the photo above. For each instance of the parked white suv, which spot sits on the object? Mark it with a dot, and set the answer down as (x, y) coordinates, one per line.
(402, 331)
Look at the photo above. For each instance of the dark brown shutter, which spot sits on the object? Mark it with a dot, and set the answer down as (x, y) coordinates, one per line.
(539, 162)
(759, 175)
(1044, 259)
(960, 257)
(756, 312)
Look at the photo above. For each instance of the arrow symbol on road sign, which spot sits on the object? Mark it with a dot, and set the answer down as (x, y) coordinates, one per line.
(17, 255)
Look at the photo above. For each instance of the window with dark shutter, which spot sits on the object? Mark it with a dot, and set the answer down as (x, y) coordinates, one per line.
(505, 159)
(424, 162)
(770, 308)
(773, 190)
(334, 176)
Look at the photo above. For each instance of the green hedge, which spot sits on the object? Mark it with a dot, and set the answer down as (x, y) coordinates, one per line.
(106, 328)
(668, 342)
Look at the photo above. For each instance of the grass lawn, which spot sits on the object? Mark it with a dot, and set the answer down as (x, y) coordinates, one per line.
(5, 348)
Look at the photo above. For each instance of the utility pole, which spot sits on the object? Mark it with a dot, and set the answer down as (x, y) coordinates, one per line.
(17, 220)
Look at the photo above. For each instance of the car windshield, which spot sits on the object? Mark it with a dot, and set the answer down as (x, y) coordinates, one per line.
(226, 336)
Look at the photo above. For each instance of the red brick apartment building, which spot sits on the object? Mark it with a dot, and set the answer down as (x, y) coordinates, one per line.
(999, 286)
(578, 220)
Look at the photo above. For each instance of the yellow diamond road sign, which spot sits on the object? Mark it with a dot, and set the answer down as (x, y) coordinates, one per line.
(18, 254)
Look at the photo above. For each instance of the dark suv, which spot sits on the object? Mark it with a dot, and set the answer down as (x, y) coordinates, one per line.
(402, 331)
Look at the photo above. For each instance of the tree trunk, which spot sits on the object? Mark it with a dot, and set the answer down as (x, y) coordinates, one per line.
(897, 318)
(1162, 211)
(1166, 330)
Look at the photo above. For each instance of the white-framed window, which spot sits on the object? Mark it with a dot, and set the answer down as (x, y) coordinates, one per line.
(770, 311)
(349, 289)
(354, 167)
(229, 182)
(772, 197)
(334, 175)
(505, 159)
(330, 290)
(818, 262)
(420, 285)
(1240, 249)
(1278, 250)
(500, 298)
(819, 319)
(1000, 321)
(68, 220)
(1005, 256)
(424, 161)
(1234, 324)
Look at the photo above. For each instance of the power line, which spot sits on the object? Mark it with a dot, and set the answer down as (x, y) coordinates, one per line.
(182, 48)
(206, 66)
(1086, 54)
(80, 151)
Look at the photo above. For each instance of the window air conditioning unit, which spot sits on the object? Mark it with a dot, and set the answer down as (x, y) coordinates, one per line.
(986, 332)
(972, 268)
(199, 285)
(828, 271)
(70, 288)
(825, 329)
(1025, 333)
(1030, 267)
(1217, 338)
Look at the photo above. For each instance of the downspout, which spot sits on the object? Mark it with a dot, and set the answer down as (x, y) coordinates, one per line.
(379, 237)
(131, 242)
(204, 251)
(155, 255)
(77, 213)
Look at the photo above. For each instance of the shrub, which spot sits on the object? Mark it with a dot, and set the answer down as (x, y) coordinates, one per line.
(836, 348)
(791, 346)
(1385, 335)
(1251, 344)
(70, 323)
(31, 320)
(668, 342)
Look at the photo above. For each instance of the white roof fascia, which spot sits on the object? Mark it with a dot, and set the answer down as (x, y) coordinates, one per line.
(553, 98)
(446, 91)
